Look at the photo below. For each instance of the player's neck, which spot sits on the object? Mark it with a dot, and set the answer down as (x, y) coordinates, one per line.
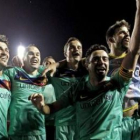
(116, 53)
(72, 65)
(94, 81)
(2, 67)
(31, 71)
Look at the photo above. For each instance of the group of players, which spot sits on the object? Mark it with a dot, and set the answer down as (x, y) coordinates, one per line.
(91, 98)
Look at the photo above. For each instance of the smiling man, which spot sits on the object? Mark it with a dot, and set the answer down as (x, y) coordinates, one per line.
(64, 78)
(118, 40)
(26, 122)
(5, 87)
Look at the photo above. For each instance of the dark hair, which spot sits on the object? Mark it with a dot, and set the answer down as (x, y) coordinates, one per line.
(95, 48)
(4, 39)
(70, 40)
(111, 30)
(44, 60)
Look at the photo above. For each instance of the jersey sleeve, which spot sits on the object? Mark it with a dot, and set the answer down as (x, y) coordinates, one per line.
(8, 72)
(123, 78)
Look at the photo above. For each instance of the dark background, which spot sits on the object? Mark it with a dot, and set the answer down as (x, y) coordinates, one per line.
(49, 23)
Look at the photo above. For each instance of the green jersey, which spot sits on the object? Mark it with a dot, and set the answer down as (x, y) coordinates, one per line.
(49, 93)
(131, 128)
(49, 97)
(99, 115)
(5, 99)
(25, 119)
(65, 120)
(63, 79)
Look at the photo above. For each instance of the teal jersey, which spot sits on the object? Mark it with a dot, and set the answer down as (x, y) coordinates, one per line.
(5, 99)
(25, 119)
(49, 97)
(131, 128)
(62, 80)
(99, 116)
(49, 94)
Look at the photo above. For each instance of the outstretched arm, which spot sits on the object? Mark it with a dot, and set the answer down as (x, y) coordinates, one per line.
(131, 59)
(38, 101)
(52, 67)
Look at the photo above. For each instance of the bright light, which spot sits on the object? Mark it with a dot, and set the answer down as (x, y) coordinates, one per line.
(20, 51)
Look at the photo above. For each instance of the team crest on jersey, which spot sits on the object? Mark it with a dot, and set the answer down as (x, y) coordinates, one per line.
(23, 77)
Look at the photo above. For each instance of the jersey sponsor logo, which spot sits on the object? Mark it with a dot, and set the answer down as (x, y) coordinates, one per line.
(5, 95)
(83, 97)
(23, 77)
(29, 86)
(63, 75)
(95, 102)
(64, 83)
(20, 78)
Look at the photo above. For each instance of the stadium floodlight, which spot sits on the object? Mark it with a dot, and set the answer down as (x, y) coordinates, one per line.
(20, 51)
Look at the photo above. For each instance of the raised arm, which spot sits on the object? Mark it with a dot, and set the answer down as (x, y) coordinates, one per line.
(67, 98)
(131, 59)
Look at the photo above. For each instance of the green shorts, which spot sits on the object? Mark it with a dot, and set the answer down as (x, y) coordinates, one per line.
(66, 132)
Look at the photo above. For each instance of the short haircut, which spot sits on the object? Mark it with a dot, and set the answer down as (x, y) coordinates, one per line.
(95, 47)
(29, 46)
(111, 30)
(48, 57)
(70, 40)
(4, 39)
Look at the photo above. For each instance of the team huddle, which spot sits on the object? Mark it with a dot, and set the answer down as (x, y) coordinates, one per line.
(95, 97)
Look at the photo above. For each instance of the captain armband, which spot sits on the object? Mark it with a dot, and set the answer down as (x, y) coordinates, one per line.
(125, 73)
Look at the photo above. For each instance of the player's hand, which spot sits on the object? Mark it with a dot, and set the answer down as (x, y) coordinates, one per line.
(37, 100)
(16, 61)
(51, 68)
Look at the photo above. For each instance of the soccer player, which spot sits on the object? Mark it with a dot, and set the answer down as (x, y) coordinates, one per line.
(64, 77)
(49, 96)
(118, 40)
(5, 87)
(26, 122)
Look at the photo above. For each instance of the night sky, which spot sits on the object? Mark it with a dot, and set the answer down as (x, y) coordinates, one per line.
(49, 23)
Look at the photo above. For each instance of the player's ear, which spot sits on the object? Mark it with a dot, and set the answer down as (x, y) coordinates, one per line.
(111, 39)
(65, 53)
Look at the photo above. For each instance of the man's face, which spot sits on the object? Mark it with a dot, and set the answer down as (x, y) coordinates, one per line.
(49, 61)
(74, 51)
(98, 65)
(4, 54)
(32, 58)
(122, 38)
